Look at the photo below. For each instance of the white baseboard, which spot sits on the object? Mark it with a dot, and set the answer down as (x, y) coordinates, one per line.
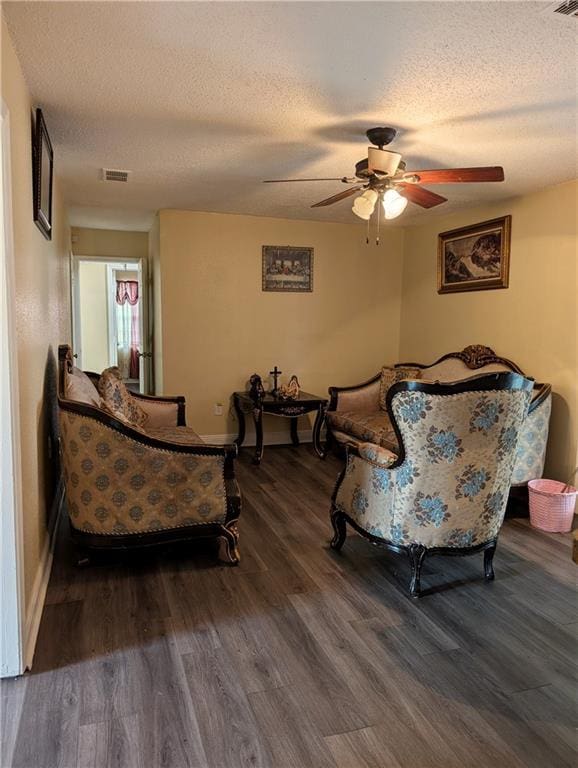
(269, 438)
(40, 586)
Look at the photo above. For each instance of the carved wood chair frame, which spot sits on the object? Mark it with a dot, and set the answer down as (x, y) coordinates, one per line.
(226, 533)
(418, 552)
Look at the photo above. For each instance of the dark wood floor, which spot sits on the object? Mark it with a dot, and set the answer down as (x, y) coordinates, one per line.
(301, 657)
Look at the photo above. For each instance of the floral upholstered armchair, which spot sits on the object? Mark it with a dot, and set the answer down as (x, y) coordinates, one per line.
(446, 490)
(134, 474)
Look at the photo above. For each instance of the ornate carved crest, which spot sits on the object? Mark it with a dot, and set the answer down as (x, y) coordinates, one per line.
(476, 355)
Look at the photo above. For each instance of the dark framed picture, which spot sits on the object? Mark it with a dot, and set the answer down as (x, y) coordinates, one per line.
(42, 162)
(475, 258)
(287, 268)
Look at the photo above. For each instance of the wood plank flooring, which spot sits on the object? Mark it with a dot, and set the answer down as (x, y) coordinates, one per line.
(301, 657)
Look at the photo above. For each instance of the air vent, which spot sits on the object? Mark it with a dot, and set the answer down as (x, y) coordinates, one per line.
(110, 174)
(568, 8)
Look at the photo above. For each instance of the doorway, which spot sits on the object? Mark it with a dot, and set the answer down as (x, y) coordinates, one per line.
(110, 318)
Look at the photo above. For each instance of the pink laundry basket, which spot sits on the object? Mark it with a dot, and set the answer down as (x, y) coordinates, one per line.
(550, 509)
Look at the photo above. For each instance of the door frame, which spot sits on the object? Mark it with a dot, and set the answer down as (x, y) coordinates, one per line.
(116, 262)
(12, 640)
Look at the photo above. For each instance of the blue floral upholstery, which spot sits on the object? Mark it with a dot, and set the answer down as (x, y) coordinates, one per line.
(532, 442)
(452, 486)
(382, 457)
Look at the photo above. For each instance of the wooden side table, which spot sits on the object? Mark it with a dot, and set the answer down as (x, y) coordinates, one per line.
(289, 409)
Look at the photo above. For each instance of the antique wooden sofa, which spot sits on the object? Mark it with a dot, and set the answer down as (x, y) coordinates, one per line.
(135, 474)
(445, 490)
(358, 413)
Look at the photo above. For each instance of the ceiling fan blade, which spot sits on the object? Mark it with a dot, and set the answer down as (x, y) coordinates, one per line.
(336, 198)
(420, 195)
(454, 175)
(284, 181)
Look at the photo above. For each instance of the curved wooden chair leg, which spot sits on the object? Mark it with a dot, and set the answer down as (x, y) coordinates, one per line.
(329, 441)
(229, 545)
(417, 553)
(339, 529)
(489, 563)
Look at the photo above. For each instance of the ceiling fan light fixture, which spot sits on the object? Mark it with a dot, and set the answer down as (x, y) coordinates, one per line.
(361, 214)
(371, 196)
(364, 205)
(394, 204)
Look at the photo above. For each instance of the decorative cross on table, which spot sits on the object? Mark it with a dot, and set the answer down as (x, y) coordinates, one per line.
(275, 373)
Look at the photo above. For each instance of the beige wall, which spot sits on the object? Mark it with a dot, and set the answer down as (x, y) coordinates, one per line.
(219, 326)
(113, 243)
(92, 288)
(42, 317)
(533, 322)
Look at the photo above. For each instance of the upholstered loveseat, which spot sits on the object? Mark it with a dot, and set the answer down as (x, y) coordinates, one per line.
(359, 414)
(134, 473)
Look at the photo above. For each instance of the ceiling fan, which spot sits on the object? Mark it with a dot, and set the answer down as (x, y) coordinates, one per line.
(384, 178)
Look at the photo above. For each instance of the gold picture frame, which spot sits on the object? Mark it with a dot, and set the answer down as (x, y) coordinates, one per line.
(475, 258)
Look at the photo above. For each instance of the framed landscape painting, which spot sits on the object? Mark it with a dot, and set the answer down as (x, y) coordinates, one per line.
(475, 258)
(287, 268)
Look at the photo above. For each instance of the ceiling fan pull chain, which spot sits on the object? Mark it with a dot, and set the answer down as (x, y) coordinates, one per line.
(367, 234)
(379, 201)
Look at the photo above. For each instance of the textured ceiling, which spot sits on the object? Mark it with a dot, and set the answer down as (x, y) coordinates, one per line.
(201, 101)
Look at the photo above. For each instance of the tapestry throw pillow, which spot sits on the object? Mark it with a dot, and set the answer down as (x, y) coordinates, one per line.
(118, 400)
(78, 387)
(390, 376)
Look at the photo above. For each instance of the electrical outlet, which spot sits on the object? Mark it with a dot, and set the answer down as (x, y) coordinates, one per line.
(218, 409)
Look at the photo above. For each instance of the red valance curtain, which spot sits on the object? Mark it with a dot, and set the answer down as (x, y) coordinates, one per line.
(126, 290)
(127, 297)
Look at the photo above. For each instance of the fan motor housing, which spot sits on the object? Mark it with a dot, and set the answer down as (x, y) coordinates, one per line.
(362, 170)
(380, 137)
(380, 161)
